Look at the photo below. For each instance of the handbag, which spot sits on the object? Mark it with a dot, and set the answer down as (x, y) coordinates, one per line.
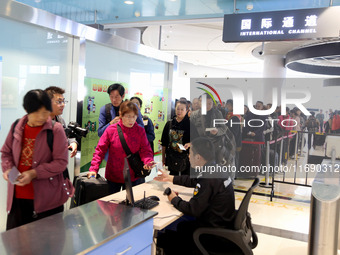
(134, 159)
(177, 161)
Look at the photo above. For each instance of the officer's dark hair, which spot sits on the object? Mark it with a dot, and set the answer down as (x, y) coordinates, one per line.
(139, 100)
(52, 90)
(204, 147)
(35, 99)
(118, 87)
(313, 113)
(260, 102)
(230, 101)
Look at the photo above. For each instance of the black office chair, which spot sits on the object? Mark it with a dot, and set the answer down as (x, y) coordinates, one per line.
(242, 234)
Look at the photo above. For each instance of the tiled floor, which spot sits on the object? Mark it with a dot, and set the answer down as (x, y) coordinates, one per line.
(273, 245)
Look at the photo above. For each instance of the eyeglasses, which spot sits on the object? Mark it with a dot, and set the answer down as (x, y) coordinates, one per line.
(60, 102)
(130, 117)
(116, 97)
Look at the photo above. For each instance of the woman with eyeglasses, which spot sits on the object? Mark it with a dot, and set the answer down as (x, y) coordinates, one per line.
(136, 140)
(33, 166)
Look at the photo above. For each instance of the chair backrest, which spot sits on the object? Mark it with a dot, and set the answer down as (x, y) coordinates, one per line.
(243, 209)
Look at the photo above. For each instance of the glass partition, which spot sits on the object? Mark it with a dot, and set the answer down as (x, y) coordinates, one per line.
(32, 57)
(141, 76)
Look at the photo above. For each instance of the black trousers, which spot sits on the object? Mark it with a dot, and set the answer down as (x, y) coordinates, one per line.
(22, 212)
(181, 241)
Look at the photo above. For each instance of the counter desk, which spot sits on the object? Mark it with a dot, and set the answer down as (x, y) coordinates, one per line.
(96, 228)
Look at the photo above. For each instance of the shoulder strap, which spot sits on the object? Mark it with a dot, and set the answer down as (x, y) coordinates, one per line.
(50, 136)
(123, 142)
(108, 116)
(14, 125)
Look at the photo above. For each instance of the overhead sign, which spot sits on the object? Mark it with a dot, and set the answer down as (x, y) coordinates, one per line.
(282, 25)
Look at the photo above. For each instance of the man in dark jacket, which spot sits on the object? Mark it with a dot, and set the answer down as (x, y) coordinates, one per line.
(212, 204)
(58, 104)
(109, 113)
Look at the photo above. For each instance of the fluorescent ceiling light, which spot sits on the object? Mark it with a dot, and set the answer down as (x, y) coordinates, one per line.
(128, 2)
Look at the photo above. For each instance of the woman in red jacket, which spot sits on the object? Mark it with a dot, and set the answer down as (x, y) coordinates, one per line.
(40, 190)
(136, 140)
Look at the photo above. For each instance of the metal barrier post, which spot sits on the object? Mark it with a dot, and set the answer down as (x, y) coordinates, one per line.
(296, 155)
(296, 145)
(281, 148)
(324, 212)
(266, 184)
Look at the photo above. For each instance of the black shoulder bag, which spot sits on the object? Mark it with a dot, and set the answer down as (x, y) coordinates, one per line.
(134, 159)
(108, 116)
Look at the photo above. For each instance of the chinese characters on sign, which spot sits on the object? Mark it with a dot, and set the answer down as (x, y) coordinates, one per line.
(282, 25)
(266, 23)
(246, 24)
(287, 22)
(311, 21)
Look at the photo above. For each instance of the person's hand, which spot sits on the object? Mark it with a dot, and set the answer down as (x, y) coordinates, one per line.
(73, 146)
(214, 131)
(187, 145)
(91, 175)
(149, 165)
(164, 177)
(115, 120)
(172, 195)
(252, 134)
(26, 177)
(5, 174)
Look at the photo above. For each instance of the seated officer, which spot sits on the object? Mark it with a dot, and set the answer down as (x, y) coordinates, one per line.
(212, 204)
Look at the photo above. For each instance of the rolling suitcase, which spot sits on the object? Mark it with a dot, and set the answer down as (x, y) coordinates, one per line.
(88, 190)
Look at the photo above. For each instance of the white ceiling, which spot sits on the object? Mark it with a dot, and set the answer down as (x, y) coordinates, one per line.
(201, 44)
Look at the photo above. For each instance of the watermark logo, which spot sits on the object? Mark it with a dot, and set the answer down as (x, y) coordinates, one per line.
(204, 98)
(238, 100)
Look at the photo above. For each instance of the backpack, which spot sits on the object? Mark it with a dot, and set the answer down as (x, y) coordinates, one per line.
(312, 124)
(108, 116)
(49, 137)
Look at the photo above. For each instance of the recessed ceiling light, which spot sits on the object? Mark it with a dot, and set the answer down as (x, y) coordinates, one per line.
(128, 2)
(250, 6)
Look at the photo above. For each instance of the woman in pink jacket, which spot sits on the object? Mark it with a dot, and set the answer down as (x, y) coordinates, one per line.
(40, 190)
(136, 140)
